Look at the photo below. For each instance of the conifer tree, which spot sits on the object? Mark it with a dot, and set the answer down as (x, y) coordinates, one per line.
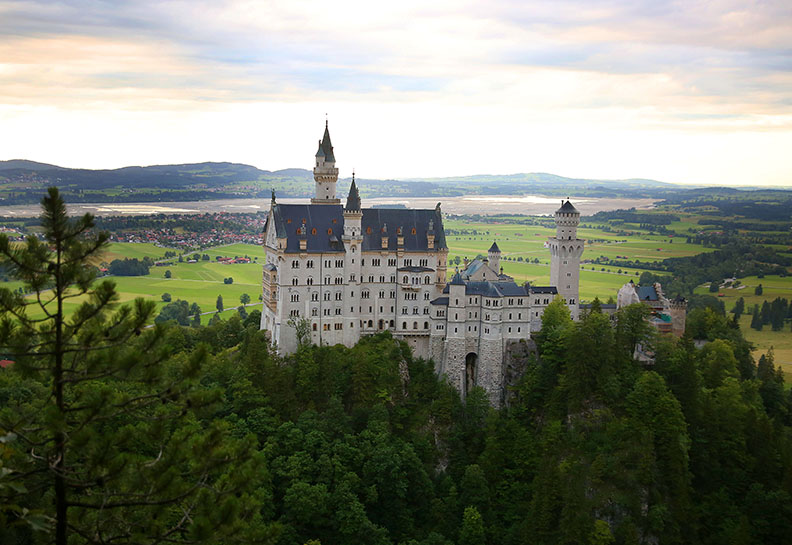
(107, 455)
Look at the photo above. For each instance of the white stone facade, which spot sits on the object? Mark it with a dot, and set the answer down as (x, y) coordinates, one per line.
(346, 271)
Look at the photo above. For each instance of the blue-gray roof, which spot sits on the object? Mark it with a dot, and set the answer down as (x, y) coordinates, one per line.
(440, 301)
(647, 293)
(494, 247)
(567, 207)
(414, 269)
(414, 224)
(325, 147)
(543, 289)
(324, 227)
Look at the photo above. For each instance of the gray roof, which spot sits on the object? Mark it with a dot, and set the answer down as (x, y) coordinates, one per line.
(325, 147)
(485, 288)
(377, 219)
(324, 227)
(440, 301)
(456, 281)
(414, 269)
(324, 224)
(353, 200)
(270, 267)
(543, 289)
(567, 207)
(647, 293)
(494, 247)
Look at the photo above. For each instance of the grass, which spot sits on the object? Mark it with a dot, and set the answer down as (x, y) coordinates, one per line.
(198, 282)
(772, 287)
(527, 242)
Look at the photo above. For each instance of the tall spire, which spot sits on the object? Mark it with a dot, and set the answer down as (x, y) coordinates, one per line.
(327, 146)
(353, 200)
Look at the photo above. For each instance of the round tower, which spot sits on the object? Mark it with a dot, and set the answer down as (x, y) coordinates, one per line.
(565, 251)
(493, 257)
(325, 172)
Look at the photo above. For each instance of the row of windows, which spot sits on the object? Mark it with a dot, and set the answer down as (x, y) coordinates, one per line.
(416, 280)
(370, 324)
(415, 310)
(339, 263)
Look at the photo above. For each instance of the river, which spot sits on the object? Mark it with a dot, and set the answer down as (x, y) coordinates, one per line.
(468, 204)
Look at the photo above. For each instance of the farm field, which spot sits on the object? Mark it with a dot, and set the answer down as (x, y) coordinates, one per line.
(772, 287)
(527, 242)
(199, 282)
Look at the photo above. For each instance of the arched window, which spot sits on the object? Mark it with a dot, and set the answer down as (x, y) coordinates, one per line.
(313, 231)
(415, 325)
(426, 325)
(404, 280)
(391, 324)
(404, 325)
(370, 323)
(314, 327)
(329, 230)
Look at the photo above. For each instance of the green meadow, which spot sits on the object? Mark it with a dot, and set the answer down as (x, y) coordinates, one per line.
(199, 282)
(772, 287)
(527, 242)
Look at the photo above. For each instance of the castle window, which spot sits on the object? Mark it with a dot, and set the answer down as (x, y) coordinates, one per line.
(426, 280)
(382, 278)
(415, 325)
(295, 264)
(309, 264)
(326, 327)
(313, 232)
(426, 296)
(518, 330)
(368, 230)
(314, 327)
(424, 262)
(295, 297)
(338, 312)
(382, 294)
(294, 281)
(315, 296)
(288, 220)
(371, 278)
(404, 325)
(392, 324)
(329, 230)
(391, 262)
(426, 310)
(404, 280)
(309, 281)
(314, 312)
(404, 310)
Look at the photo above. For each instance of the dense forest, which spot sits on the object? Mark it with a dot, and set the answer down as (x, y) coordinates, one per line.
(115, 432)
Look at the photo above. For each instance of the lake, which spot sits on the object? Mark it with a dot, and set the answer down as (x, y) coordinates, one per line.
(467, 204)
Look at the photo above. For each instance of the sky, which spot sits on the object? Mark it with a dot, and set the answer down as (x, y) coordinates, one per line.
(693, 92)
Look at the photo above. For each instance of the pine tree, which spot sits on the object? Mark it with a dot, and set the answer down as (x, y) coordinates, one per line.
(756, 321)
(219, 304)
(107, 454)
(739, 308)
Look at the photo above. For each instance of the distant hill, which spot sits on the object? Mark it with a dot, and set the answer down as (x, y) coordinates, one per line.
(24, 164)
(23, 182)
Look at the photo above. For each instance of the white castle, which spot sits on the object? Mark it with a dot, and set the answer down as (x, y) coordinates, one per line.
(349, 271)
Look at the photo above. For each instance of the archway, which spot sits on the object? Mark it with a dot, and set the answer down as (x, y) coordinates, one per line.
(471, 360)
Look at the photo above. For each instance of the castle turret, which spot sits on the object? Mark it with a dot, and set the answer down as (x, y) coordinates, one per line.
(325, 172)
(352, 212)
(565, 251)
(493, 255)
(678, 312)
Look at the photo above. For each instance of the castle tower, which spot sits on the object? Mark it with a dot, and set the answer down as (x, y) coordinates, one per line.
(493, 256)
(565, 252)
(678, 312)
(325, 172)
(353, 242)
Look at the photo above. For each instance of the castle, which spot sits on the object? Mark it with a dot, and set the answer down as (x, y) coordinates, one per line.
(345, 271)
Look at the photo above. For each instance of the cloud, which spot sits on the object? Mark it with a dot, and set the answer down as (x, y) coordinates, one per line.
(615, 67)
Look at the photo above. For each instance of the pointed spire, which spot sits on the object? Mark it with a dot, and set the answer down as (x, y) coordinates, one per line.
(273, 196)
(494, 248)
(326, 146)
(353, 200)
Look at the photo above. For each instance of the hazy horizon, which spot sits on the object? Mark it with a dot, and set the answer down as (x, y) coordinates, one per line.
(694, 93)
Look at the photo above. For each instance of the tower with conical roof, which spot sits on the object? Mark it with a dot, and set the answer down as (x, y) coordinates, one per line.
(325, 172)
(565, 251)
(493, 257)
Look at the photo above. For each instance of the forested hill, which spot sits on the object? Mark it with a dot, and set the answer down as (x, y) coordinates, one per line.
(21, 179)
